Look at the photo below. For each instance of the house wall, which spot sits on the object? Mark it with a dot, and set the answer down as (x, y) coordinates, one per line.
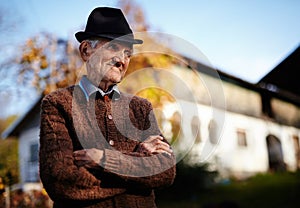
(253, 158)
(28, 168)
(227, 156)
(212, 91)
(241, 111)
(242, 100)
(28, 153)
(285, 112)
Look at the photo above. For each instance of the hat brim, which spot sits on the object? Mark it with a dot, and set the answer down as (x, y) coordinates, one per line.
(80, 36)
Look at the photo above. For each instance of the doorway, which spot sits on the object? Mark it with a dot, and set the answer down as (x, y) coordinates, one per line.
(275, 154)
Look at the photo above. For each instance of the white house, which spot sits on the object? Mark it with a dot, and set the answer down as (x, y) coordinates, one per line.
(26, 128)
(239, 128)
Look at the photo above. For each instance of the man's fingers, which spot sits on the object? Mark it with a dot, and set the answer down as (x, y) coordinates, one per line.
(155, 144)
(161, 151)
(153, 138)
(162, 144)
(88, 156)
(164, 147)
(158, 144)
(79, 153)
(82, 157)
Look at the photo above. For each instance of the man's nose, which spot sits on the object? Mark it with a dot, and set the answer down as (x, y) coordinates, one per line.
(119, 59)
(122, 55)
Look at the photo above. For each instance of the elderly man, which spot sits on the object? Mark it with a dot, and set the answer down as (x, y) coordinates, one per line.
(100, 147)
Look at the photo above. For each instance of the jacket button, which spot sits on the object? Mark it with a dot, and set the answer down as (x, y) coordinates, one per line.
(111, 142)
(109, 117)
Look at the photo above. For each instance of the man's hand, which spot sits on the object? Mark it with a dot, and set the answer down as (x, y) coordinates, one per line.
(155, 144)
(89, 158)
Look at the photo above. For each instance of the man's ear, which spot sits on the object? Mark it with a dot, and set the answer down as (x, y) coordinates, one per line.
(85, 50)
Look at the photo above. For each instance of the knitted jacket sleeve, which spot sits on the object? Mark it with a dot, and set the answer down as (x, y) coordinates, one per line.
(141, 169)
(62, 179)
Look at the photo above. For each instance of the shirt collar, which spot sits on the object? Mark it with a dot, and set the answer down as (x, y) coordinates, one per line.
(88, 89)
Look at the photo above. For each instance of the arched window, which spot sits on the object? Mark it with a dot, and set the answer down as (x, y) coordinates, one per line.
(297, 150)
(195, 125)
(176, 126)
(213, 131)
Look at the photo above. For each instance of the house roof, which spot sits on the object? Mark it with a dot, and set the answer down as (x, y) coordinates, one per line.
(284, 78)
(17, 126)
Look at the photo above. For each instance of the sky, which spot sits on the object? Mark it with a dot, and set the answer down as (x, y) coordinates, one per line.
(243, 38)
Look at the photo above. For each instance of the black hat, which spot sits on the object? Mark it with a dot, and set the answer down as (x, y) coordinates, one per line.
(108, 23)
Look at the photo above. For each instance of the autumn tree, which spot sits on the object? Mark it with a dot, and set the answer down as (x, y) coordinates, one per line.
(48, 63)
(9, 168)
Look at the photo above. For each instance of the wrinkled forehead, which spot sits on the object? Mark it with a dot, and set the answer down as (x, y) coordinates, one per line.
(123, 44)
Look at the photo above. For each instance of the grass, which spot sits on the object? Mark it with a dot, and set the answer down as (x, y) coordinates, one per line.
(280, 190)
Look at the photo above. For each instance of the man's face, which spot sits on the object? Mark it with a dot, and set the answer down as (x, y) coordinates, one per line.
(108, 62)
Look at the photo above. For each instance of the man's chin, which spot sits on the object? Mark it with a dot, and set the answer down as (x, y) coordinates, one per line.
(116, 79)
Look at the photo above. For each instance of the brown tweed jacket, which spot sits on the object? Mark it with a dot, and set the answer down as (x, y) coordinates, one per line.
(126, 177)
